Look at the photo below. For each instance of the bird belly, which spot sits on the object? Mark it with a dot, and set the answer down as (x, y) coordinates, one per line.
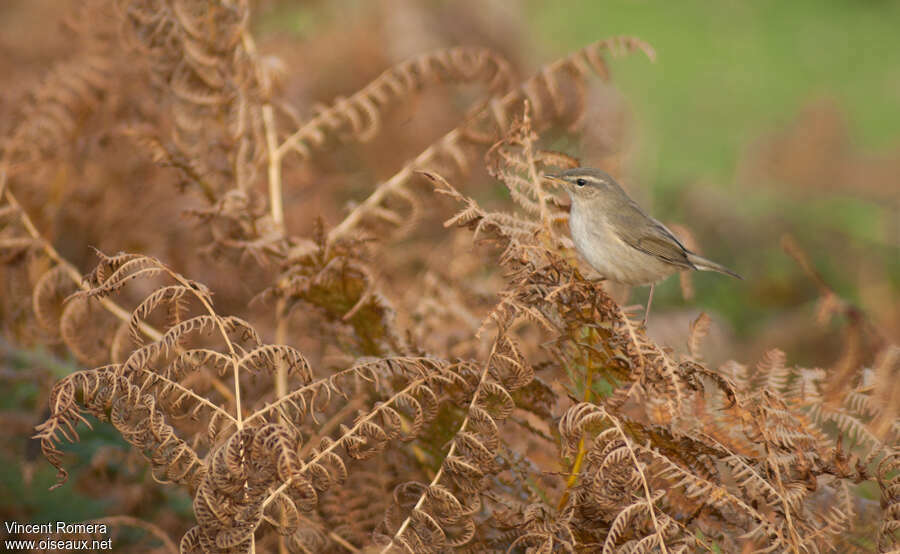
(612, 257)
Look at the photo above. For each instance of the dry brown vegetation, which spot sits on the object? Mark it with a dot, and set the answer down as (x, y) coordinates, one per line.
(302, 347)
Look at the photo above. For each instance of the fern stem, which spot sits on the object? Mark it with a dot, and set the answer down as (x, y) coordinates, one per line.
(341, 541)
(275, 189)
(276, 205)
(281, 328)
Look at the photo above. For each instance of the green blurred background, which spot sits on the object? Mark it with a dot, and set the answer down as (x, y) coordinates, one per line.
(729, 71)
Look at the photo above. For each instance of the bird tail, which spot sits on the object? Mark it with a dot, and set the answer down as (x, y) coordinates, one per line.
(703, 264)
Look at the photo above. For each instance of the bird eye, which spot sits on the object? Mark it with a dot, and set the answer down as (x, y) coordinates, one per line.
(580, 182)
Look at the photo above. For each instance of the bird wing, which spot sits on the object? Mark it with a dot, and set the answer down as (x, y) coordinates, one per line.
(653, 238)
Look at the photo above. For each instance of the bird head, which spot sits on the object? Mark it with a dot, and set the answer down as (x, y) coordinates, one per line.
(588, 184)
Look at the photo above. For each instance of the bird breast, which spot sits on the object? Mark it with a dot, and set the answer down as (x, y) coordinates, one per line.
(609, 255)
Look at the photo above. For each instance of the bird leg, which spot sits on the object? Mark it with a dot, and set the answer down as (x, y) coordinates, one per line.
(649, 301)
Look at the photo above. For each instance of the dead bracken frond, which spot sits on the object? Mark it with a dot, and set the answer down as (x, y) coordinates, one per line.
(317, 377)
(556, 94)
(359, 116)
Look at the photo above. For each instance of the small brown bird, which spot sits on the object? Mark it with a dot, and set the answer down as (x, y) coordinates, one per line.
(618, 239)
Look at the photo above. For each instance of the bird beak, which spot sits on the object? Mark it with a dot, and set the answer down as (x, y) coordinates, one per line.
(555, 179)
(559, 182)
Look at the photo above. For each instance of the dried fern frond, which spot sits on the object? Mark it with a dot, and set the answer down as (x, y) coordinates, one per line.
(555, 93)
(147, 396)
(203, 58)
(783, 453)
(68, 94)
(620, 483)
(338, 282)
(414, 402)
(136, 382)
(441, 518)
(519, 164)
(359, 116)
